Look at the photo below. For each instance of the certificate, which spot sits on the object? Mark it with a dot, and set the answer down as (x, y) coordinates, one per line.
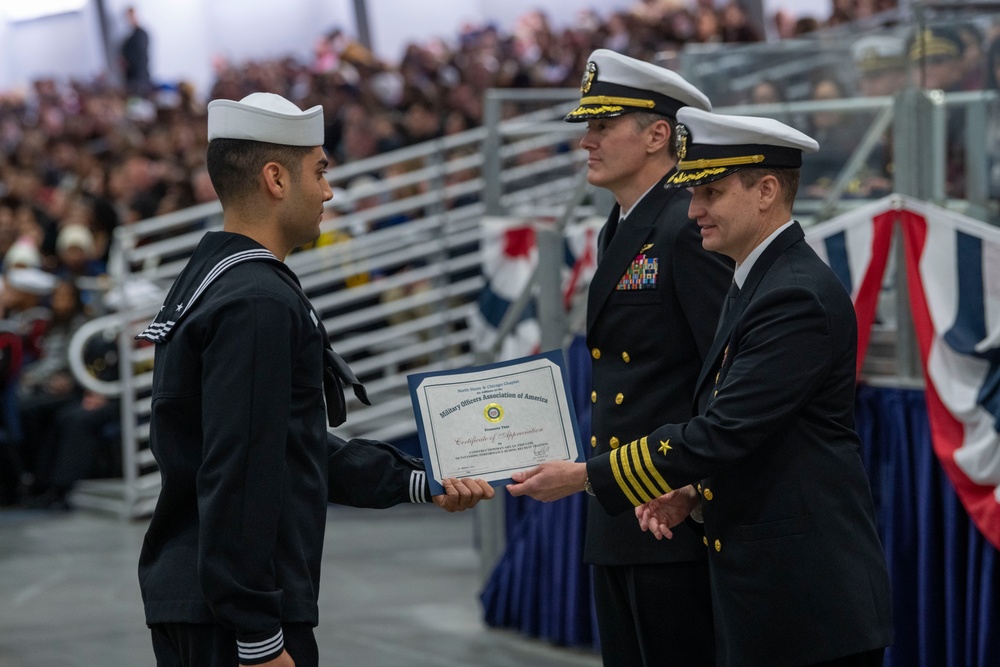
(489, 421)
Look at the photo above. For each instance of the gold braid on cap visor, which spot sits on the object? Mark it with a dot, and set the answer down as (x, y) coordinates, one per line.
(928, 44)
(619, 101)
(579, 111)
(611, 104)
(708, 163)
(688, 176)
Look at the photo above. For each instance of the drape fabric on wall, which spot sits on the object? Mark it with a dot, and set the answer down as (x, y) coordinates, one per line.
(945, 575)
(953, 281)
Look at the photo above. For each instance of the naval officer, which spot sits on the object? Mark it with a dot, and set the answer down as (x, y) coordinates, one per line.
(652, 308)
(798, 575)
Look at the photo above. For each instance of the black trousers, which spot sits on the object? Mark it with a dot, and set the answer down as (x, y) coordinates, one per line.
(656, 615)
(212, 645)
(867, 659)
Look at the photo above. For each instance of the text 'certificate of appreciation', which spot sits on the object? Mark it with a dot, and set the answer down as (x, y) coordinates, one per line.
(490, 421)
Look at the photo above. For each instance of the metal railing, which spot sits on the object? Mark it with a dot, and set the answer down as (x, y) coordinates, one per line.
(397, 298)
(395, 275)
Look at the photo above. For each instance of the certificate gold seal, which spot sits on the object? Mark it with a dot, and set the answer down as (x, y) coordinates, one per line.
(493, 413)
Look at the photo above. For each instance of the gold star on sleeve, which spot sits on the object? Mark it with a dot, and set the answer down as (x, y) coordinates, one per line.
(665, 446)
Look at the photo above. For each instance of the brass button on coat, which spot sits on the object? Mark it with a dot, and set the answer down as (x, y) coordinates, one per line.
(718, 545)
(614, 442)
(593, 441)
(593, 397)
(704, 538)
(595, 353)
(619, 398)
(625, 357)
(708, 494)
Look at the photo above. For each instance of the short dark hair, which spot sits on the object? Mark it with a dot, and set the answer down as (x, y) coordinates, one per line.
(788, 179)
(644, 119)
(234, 164)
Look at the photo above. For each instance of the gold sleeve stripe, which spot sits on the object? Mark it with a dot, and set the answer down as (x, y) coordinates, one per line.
(616, 469)
(609, 100)
(637, 486)
(640, 469)
(664, 487)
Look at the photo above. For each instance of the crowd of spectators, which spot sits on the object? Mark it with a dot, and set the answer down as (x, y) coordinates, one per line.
(78, 159)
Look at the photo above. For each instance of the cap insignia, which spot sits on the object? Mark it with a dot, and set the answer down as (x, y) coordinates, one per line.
(681, 141)
(588, 77)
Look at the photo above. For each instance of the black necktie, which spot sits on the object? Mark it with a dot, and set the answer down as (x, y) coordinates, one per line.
(734, 293)
(336, 372)
(609, 232)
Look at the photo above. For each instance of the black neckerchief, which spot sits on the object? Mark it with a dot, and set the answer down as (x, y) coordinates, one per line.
(217, 253)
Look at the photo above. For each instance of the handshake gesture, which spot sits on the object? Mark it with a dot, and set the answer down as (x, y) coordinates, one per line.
(557, 479)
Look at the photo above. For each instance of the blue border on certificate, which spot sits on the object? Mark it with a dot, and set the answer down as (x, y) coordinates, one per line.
(414, 380)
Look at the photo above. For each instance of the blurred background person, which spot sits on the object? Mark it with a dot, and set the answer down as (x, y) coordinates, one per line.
(135, 57)
(46, 387)
(991, 77)
(736, 26)
(973, 59)
(23, 322)
(880, 63)
(936, 57)
(837, 132)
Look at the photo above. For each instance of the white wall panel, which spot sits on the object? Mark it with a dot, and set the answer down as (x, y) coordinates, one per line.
(186, 35)
(61, 45)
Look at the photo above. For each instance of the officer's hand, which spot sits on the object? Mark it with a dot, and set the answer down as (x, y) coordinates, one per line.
(549, 481)
(461, 494)
(661, 514)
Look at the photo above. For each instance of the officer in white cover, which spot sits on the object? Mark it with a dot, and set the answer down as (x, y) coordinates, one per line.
(652, 308)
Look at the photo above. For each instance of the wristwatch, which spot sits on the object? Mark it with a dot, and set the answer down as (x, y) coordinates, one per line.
(587, 487)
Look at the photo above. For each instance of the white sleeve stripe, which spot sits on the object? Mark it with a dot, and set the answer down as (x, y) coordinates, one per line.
(277, 637)
(253, 650)
(417, 479)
